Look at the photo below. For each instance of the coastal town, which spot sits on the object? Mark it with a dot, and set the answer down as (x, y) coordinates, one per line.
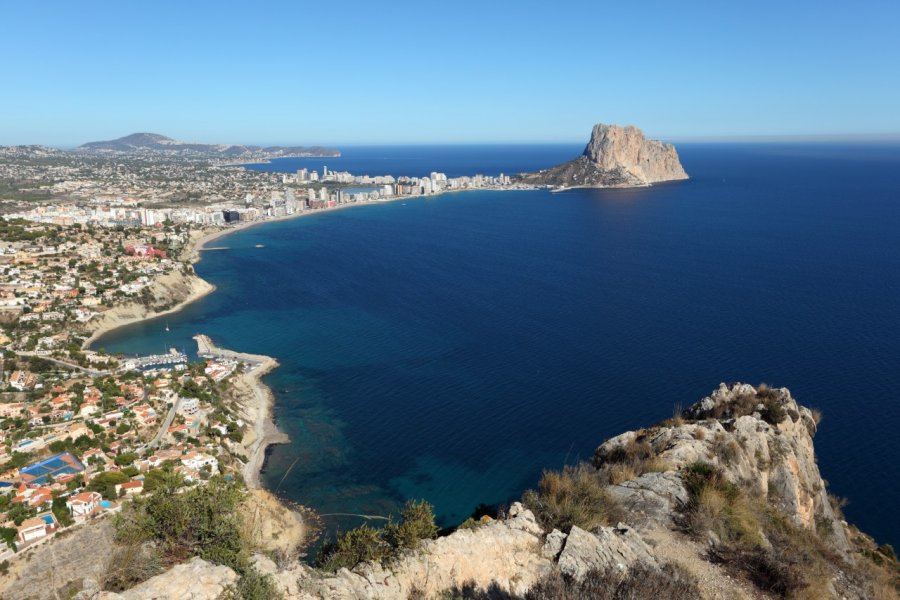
(53, 187)
(88, 244)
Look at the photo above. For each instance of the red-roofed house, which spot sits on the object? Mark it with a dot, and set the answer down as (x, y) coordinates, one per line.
(84, 504)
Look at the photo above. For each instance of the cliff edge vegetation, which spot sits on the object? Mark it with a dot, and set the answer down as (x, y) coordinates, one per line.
(723, 500)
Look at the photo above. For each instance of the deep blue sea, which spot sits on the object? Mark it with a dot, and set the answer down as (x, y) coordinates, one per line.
(453, 347)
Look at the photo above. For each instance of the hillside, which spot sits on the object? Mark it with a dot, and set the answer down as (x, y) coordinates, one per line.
(154, 142)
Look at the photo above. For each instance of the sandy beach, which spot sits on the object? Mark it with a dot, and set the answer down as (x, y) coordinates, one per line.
(189, 287)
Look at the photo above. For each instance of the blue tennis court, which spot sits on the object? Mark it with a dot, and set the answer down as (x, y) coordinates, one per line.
(61, 464)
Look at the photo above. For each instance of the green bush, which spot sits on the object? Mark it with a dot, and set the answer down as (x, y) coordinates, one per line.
(8, 535)
(126, 458)
(366, 543)
(253, 585)
(61, 512)
(358, 545)
(200, 521)
(105, 483)
(416, 524)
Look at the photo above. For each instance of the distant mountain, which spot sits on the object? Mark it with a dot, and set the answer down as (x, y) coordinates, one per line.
(154, 142)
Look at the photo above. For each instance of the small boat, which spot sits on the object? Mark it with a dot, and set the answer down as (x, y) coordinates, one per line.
(167, 326)
(259, 246)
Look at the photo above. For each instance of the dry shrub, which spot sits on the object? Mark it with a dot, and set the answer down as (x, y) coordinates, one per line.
(796, 564)
(726, 449)
(879, 582)
(773, 411)
(816, 415)
(706, 511)
(837, 505)
(617, 474)
(729, 517)
(765, 570)
(699, 434)
(634, 451)
(574, 496)
(763, 392)
(416, 593)
(655, 464)
(627, 461)
(677, 419)
(745, 404)
(129, 564)
(671, 582)
(719, 506)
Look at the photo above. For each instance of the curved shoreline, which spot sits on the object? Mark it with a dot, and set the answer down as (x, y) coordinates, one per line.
(197, 244)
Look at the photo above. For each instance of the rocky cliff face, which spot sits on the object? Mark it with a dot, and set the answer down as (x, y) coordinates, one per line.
(770, 455)
(615, 157)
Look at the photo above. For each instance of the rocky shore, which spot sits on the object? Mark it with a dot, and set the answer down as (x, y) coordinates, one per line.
(256, 403)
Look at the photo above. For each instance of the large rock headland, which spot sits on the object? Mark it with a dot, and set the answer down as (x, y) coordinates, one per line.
(615, 156)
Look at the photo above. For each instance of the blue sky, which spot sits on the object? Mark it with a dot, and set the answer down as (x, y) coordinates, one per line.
(443, 72)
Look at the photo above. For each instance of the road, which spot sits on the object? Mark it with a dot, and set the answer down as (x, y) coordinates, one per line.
(165, 426)
(69, 365)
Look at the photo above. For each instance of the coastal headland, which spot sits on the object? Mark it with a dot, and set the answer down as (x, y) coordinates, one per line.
(615, 157)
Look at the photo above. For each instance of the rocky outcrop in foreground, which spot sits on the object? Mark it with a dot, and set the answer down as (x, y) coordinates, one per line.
(615, 157)
(722, 501)
(192, 580)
